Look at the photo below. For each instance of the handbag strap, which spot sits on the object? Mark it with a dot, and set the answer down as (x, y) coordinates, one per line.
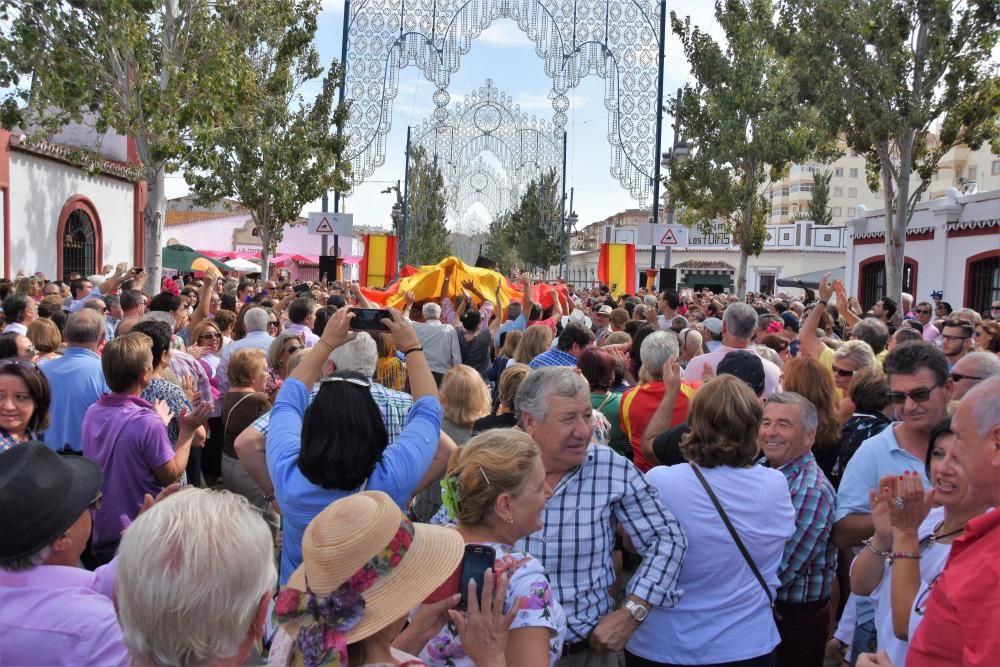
(232, 409)
(732, 531)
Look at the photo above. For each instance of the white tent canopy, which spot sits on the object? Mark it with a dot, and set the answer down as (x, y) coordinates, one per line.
(242, 265)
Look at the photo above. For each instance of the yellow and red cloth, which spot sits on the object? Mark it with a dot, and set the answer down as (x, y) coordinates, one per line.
(378, 266)
(616, 268)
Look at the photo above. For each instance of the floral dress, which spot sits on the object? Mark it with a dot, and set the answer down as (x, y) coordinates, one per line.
(537, 608)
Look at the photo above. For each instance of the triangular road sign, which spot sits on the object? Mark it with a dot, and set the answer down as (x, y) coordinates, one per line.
(668, 238)
(324, 227)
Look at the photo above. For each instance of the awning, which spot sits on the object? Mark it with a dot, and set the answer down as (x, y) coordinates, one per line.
(811, 280)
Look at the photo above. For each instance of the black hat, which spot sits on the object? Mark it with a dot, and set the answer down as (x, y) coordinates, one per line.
(746, 366)
(42, 494)
(790, 321)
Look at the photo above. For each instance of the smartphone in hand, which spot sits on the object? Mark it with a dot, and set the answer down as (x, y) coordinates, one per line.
(369, 319)
(478, 558)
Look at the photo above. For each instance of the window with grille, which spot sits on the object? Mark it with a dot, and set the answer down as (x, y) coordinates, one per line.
(79, 247)
(983, 286)
(871, 281)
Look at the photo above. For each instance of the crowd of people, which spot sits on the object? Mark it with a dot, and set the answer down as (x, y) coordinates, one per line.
(228, 471)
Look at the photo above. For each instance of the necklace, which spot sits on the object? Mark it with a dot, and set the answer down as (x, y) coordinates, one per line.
(934, 537)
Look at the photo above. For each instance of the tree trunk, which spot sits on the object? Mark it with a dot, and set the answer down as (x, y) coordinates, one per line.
(895, 221)
(741, 275)
(152, 224)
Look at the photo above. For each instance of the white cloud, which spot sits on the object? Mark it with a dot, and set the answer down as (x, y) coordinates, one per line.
(504, 33)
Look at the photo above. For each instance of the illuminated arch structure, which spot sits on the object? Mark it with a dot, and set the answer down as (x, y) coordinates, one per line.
(618, 40)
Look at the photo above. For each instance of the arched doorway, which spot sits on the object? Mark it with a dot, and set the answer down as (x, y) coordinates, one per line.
(871, 279)
(78, 240)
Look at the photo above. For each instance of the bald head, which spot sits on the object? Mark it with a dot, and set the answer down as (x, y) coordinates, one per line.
(981, 365)
(977, 447)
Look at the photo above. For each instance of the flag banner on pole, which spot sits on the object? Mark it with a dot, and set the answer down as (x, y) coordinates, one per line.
(616, 268)
(378, 266)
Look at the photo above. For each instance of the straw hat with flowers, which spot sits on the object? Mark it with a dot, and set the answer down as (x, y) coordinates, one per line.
(364, 566)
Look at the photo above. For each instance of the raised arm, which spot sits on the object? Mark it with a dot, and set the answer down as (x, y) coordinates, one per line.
(336, 333)
(526, 296)
(204, 298)
(810, 345)
(112, 283)
(843, 303)
(359, 296)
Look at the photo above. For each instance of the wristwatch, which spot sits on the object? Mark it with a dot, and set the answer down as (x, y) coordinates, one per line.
(637, 611)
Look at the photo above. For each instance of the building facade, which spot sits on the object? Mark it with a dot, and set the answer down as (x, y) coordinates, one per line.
(952, 245)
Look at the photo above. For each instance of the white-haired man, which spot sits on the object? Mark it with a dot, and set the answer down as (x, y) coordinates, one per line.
(594, 492)
(180, 603)
(255, 322)
(972, 369)
(439, 341)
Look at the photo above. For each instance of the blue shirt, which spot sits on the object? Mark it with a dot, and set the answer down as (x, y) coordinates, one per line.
(76, 381)
(403, 465)
(554, 357)
(520, 324)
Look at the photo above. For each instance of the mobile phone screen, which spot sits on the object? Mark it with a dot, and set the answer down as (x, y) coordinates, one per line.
(478, 558)
(369, 319)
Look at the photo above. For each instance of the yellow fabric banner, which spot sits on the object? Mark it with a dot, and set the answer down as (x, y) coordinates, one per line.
(427, 281)
(376, 260)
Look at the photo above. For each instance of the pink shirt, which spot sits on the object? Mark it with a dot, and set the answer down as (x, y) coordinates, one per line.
(696, 368)
(930, 332)
(57, 615)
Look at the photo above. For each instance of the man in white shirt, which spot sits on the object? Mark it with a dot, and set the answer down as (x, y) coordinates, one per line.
(439, 340)
(669, 302)
(19, 311)
(302, 316)
(257, 336)
(739, 323)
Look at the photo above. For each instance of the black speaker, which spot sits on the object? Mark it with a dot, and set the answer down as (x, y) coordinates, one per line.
(668, 279)
(327, 268)
(485, 263)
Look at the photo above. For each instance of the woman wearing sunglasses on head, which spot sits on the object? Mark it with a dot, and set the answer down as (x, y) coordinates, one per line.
(24, 402)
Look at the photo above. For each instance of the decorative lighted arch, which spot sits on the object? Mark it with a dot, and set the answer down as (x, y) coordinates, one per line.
(615, 39)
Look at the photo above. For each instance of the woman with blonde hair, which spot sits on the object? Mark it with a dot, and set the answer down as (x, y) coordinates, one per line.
(718, 582)
(536, 339)
(45, 336)
(495, 491)
(809, 378)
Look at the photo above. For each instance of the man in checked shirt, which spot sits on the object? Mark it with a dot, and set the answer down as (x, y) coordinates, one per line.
(786, 437)
(594, 491)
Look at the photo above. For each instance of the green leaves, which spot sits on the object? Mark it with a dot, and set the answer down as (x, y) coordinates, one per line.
(426, 233)
(528, 236)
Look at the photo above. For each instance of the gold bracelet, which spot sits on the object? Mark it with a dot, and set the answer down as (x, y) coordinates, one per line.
(328, 346)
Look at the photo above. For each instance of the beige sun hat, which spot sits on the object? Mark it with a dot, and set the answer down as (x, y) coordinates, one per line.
(352, 531)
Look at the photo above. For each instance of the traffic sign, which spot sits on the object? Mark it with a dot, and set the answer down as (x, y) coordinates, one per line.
(668, 235)
(340, 224)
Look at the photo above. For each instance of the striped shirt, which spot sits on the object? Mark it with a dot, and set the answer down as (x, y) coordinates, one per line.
(578, 534)
(394, 406)
(810, 558)
(554, 357)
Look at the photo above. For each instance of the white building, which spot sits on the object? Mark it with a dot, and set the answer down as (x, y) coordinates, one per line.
(952, 244)
(71, 204)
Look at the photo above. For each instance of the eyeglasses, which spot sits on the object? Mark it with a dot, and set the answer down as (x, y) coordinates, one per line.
(23, 363)
(272, 323)
(97, 502)
(917, 395)
(958, 377)
(947, 337)
(921, 311)
(210, 335)
(843, 372)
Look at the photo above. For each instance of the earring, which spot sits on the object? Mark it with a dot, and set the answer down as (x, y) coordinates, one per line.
(510, 520)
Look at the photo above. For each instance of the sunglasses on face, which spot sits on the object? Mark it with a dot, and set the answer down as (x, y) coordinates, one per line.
(209, 335)
(843, 372)
(28, 365)
(923, 312)
(917, 395)
(272, 323)
(958, 377)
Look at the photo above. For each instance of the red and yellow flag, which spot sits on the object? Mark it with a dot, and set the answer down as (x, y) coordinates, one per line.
(616, 268)
(378, 266)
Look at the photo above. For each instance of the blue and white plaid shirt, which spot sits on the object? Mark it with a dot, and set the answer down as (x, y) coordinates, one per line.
(579, 533)
(394, 406)
(553, 357)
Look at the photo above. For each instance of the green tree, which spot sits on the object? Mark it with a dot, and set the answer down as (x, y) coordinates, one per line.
(426, 233)
(744, 123)
(280, 152)
(536, 221)
(819, 203)
(501, 243)
(150, 70)
(883, 73)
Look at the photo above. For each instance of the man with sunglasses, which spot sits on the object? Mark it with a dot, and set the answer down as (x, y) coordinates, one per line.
(923, 313)
(972, 369)
(919, 388)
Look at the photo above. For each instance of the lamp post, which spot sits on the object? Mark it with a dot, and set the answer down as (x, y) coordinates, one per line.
(677, 152)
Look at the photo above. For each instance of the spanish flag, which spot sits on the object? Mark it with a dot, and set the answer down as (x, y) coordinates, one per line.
(616, 268)
(378, 266)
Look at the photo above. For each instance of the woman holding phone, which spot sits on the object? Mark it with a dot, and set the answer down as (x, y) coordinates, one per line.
(495, 489)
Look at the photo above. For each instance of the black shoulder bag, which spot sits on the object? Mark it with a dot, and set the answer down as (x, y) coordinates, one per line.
(736, 538)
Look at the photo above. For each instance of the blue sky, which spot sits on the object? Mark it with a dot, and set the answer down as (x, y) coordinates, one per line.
(504, 54)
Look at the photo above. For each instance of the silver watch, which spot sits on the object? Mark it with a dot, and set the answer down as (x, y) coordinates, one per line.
(637, 611)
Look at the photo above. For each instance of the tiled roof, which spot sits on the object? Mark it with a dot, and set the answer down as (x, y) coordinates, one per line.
(705, 264)
(72, 155)
(174, 218)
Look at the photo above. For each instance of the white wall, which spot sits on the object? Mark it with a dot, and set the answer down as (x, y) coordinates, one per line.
(39, 188)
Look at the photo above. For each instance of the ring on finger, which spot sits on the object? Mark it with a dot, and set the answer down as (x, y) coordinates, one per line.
(898, 501)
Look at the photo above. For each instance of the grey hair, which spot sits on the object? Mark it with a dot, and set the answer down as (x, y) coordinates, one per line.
(858, 352)
(807, 411)
(277, 345)
(967, 315)
(29, 562)
(198, 554)
(985, 400)
(984, 364)
(764, 352)
(649, 300)
(692, 339)
(657, 349)
(160, 316)
(359, 355)
(540, 385)
(85, 326)
(255, 319)
(872, 331)
(431, 311)
(740, 320)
